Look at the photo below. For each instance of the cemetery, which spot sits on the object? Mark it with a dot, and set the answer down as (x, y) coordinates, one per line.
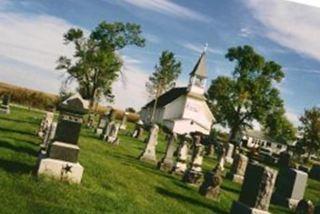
(190, 135)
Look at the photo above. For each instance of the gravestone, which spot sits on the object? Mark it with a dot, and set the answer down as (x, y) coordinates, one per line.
(194, 174)
(229, 153)
(110, 120)
(210, 188)
(112, 136)
(45, 124)
(62, 158)
(167, 162)
(256, 190)
(138, 130)
(5, 106)
(103, 120)
(238, 168)
(284, 159)
(222, 158)
(49, 136)
(123, 125)
(149, 153)
(182, 157)
(290, 187)
(315, 172)
(306, 207)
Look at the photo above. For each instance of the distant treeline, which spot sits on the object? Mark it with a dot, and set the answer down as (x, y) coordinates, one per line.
(29, 97)
(46, 101)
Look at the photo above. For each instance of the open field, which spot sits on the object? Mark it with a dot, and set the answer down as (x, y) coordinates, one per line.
(114, 180)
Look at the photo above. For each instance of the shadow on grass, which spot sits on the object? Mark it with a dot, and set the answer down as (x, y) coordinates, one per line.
(18, 148)
(230, 189)
(15, 167)
(20, 121)
(2, 129)
(188, 199)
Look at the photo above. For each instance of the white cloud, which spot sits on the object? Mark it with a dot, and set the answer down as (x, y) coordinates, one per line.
(198, 48)
(151, 38)
(245, 32)
(30, 46)
(293, 118)
(291, 25)
(167, 7)
(312, 3)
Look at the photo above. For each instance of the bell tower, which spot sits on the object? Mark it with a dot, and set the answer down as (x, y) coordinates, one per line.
(198, 76)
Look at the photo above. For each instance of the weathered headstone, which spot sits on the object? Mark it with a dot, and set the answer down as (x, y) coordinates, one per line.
(305, 207)
(238, 168)
(123, 125)
(194, 174)
(315, 172)
(290, 187)
(167, 162)
(149, 153)
(103, 120)
(138, 130)
(5, 106)
(222, 158)
(210, 188)
(49, 136)
(112, 136)
(256, 190)
(229, 153)
(62, 160)
(182, 157)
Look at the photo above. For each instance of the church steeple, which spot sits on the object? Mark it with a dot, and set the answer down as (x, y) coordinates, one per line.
(198, 75)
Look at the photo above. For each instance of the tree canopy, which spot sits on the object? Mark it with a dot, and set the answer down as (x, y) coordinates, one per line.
(310, 128)
(96, 64)
(249, 94)
(163, 78)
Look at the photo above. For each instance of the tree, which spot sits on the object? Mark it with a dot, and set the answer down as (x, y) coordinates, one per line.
(311, 130)
(247, 95)
(278, 127)
(96, 64)
(164, 77)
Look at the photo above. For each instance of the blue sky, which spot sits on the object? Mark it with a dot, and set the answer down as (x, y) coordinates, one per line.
(284, 31)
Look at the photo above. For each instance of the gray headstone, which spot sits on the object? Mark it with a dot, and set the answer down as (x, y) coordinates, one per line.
(256, 190)
(229, 153)
(182, 156)
(149, 153)
(238, 168)
(210, 188)
(194, 173)
(290, 187)
(167, 162)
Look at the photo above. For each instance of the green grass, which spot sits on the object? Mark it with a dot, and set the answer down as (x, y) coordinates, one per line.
(114, 180)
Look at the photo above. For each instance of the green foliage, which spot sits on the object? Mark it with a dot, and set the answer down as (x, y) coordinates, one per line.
(311, 130)
(279, 128)
(249, 94)
(96, 64)
(164, 76)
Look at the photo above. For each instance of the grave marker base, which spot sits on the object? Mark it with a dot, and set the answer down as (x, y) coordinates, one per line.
(238, 207)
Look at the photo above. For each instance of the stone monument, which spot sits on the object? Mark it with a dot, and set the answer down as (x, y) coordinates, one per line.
(238, 168)
(112, 133)
(149, 153)
(5, 106)
(306, 207)
(103, 120)
(256, 190)
(123, 125)
(138, 130)
(229, 153)
(194, 174)
(62, 158)
(210, 188)
(182, 157)
(167, 162)
(290, 187)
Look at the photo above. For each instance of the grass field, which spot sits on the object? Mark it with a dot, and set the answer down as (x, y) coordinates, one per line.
(114, 180)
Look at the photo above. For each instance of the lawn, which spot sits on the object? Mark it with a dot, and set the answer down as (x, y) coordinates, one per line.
(114, 181)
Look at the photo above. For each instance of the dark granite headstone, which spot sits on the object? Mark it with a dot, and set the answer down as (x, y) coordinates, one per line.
(256, 190)
(6, 99)
(315, 172)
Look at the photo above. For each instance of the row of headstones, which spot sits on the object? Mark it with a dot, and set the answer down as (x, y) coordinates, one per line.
(5, 106)
(258, 181)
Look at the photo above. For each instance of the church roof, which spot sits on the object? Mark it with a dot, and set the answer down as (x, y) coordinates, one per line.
(200, 69)
(168, 97)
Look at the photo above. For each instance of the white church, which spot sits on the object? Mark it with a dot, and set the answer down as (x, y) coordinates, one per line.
(184, 110)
